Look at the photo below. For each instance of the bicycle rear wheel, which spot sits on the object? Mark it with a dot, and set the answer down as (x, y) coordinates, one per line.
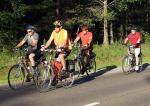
(16, 76)
(127, 65)
(43, 77)
(68, 80)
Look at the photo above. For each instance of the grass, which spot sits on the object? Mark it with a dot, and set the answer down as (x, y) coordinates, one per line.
(105, 56)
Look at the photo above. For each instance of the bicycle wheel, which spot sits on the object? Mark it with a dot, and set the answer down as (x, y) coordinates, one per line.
(140, 63)
(16, 76)
(68, 80)
(92, 66)
(77, 68)
(43, 77)
(127, 65)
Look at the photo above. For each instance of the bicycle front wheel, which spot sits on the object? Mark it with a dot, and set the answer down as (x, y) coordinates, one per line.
(126, 65)
(43, 77)
(16, 76)
(77, 68)
(92, 66)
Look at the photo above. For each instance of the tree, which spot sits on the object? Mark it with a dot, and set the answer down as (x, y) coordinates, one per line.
(105, 41)
(10, 13)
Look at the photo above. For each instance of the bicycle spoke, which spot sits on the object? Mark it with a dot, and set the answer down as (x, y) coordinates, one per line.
(44, 77)
(69, 80)
(16, 77)
(127, 65)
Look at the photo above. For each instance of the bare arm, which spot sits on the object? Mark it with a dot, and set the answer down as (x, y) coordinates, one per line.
(70, 46)
(139, 40)
(20, 44)
(49, 42)
(76, 40)
(126, 40)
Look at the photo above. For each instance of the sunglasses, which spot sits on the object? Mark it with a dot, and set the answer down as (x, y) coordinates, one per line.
(29, 31)
(57, 26)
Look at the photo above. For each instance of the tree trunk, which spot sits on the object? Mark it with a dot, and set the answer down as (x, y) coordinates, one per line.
(147, 17)
(111, 34)
(122, 37)
(105, 41)
(58, 9)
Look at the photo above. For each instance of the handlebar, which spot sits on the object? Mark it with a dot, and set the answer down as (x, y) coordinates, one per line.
(48, 50)
(76, 45)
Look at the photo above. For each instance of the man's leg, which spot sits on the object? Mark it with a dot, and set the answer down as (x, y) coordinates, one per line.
(31, 58)
(137, 52)
(63, 62)
(83, 55)
(28, 79)
(87, 58)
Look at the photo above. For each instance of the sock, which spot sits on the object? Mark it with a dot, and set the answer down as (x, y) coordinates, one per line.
(63, 68)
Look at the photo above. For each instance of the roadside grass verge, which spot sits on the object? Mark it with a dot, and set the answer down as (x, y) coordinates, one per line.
(105, 56)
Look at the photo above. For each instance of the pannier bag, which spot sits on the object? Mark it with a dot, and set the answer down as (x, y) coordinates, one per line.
(70, 65)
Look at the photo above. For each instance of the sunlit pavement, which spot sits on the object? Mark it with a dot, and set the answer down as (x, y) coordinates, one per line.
(101, 89)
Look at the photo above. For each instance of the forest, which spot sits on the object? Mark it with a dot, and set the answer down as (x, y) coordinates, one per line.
(109, 20)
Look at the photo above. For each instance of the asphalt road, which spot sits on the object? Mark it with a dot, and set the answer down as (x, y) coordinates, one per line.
(98, 90)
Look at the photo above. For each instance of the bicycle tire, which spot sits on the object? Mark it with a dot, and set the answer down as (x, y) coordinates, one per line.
(16, 85)
(92, 67)
(78, 69)
(43, 77)
(126, 65)
(68, 81)
(140, 63)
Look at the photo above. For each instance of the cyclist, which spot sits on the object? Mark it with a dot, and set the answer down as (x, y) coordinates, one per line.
(62, 42)
(32, 39)
(135, 38)
(86, 38)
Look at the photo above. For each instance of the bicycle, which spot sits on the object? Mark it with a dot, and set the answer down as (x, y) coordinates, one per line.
(79, 65)
(129, 61)
(54, 67)
(18, 72)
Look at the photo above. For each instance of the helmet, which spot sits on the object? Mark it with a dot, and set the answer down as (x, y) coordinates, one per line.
(58, 23)
(133, 28)
(30, 27)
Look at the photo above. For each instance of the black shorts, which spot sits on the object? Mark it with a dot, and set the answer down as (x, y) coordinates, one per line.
(83, 51)
(37, 53)
(64, 51)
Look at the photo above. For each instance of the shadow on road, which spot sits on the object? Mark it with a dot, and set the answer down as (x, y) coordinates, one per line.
(104, 70)
(92, 76)
(6, 94)
(145, 65)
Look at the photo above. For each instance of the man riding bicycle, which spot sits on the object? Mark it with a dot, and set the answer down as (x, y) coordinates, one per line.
(135, 38)
(87, 46)
(32, 39)
(62, 42)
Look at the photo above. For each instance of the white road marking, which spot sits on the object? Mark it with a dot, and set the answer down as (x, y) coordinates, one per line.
(92, 104)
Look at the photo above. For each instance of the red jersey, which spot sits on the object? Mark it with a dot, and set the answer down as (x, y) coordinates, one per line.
(85, 38)
(134, 38)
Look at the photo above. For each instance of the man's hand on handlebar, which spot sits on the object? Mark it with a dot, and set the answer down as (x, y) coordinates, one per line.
(85, 46)
(42, 47)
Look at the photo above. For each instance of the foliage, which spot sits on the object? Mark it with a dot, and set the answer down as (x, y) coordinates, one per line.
(16, 14)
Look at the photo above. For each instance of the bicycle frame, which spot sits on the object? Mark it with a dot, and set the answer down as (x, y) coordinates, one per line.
(51, 63)
(23, 62)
